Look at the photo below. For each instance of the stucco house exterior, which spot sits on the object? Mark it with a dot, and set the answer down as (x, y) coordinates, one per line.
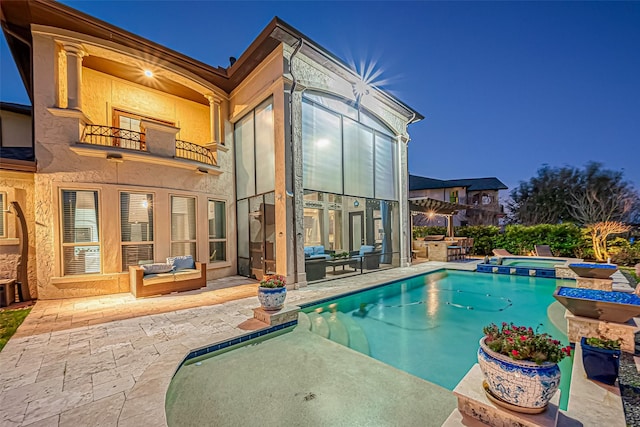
(140, 153)
(480, 196)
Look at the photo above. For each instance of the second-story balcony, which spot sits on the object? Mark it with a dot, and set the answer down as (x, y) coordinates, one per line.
(122, 144)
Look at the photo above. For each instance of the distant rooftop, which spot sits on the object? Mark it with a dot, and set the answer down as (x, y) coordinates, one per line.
(472, 184)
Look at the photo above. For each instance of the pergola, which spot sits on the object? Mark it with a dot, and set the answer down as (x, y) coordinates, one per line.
(437, 207)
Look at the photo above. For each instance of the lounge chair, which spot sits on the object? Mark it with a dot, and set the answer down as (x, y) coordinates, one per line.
(543, 250)
(502, 252)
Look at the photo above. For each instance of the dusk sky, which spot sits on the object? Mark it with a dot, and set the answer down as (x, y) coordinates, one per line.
(505, 87)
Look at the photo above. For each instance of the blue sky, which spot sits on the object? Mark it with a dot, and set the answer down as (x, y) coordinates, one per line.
(505, 87)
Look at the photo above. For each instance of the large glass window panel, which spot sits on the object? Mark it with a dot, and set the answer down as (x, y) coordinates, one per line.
(334, 104)
(374, 123)
(358, 159)
(313, 227)
(183, 226)
(245, 160)
(136, 228)
(217, 231)
(385, 168)
(243, 228)
(80, 232)
(265, 149)
(321, 149)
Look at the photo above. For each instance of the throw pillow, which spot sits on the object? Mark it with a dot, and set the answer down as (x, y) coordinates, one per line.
(181, 262)
(156, 268)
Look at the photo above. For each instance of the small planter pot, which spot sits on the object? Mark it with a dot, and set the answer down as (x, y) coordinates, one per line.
(524, 386)
(272, 299)
(600, 364)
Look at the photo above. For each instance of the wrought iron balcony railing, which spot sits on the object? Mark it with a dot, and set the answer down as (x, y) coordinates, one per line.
(198, 153)
(114, 137)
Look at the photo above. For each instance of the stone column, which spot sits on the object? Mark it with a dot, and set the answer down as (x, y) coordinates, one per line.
(403, 192)
(214, 119)
(75, 52)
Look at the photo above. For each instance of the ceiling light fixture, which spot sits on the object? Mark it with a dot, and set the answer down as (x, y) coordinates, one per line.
(148, 73)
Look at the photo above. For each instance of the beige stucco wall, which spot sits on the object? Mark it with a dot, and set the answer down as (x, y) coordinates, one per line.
(56, 132)
(16, 129)
(18, 186)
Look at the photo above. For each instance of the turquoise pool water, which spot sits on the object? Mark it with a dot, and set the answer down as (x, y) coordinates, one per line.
(430, 325)
(533, 263)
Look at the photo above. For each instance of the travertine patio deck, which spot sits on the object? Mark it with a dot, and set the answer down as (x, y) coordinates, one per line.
(108, 360)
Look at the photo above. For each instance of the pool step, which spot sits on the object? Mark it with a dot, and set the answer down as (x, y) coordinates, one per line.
(340, 328)
(357, 338)
(337, 331)
(319, 324)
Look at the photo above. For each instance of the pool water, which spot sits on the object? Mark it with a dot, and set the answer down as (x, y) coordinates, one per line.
(430, 325)
(533, 263)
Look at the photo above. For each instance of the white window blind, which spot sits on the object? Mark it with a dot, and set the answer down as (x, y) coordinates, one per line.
(217, 231)
(385, 168)
(265, 149)
(183, 226)
(80, 232)
(245, 161)
(136, 229)
(321, 149)
(358, 159)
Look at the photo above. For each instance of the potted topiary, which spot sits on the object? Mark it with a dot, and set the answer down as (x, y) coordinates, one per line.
(520, 366)
(272, 292)
(601, 358)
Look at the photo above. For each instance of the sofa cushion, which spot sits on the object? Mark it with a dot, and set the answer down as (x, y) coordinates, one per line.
(152, 279)
(181, 262)
(187, 274)
(318, 250)
(364, 249)
(156, 268)
(308, 251)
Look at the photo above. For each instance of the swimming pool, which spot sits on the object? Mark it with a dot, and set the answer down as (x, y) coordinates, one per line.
(533, 262)
(430, 325)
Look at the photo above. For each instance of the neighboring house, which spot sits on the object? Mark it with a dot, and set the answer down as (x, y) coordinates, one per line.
(480, 196)
(143, 153)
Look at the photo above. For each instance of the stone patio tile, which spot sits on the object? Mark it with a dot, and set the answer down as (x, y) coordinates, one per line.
(106, 376)
(47, 422)
(56, 404)
(103, 413)
(92, 364)
(153, 418)
(53, 370)
(31, 392)
(112, 387)
(145, 404)
(13, 415)
(17, 378)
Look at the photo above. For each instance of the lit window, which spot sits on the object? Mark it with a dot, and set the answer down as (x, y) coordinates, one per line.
(183, 226)
(136, 229)
(80, 232)
(217, 231)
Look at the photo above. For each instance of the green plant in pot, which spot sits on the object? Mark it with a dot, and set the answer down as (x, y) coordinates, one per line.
(340, 255)
(272, 292)
(520, 366)
(601, 358)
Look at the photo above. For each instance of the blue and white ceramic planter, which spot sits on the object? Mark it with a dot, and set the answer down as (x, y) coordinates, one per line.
(272, 298)
(518, 382)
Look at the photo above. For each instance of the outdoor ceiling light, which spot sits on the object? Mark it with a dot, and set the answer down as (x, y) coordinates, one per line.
(360, 89)
(148, 73)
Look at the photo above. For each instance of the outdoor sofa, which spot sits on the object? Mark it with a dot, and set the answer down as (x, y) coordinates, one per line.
(176, 275)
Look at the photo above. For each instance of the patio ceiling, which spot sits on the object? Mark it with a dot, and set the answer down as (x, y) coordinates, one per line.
(435, 206)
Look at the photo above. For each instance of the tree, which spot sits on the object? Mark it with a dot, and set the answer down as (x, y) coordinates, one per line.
(600, 232)
(567, 194)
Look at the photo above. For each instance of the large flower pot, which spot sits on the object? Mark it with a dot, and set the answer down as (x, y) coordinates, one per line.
(272, 298)
(523, 385)
(600, 364)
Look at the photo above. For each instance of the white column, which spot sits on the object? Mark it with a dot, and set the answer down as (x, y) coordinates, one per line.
(403, 199)
(214, 118)
(74, 53)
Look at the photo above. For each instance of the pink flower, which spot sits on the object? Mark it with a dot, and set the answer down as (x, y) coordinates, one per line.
(507, 332)
(515, 353)
(523, 338)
